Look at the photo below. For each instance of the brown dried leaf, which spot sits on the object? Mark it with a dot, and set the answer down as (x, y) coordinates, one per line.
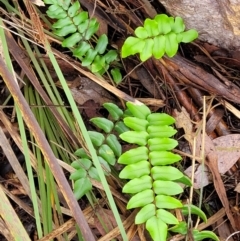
(228, 151)
(211, 161)
(183, 120)
(202, 177)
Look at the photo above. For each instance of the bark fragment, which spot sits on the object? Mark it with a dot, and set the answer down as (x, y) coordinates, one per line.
(217, 21)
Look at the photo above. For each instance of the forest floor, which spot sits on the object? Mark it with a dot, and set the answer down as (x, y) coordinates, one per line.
(199, 87)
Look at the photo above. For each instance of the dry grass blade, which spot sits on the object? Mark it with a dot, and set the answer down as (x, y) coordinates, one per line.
(11, 218)
(14, 161)
(60, 230)
(46, 150)
(15, 135)
(19, 202)
(115, 232)
(17, 53)
(5, 231)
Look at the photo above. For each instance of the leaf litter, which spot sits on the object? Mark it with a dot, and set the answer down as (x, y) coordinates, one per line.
(222, 151)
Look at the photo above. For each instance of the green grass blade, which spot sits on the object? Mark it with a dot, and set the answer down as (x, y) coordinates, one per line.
(88, 141)
(30, 173)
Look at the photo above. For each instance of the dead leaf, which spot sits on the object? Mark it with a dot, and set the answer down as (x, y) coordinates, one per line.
(228, 151)
(202, 177)
(183, 120)
(211, 161)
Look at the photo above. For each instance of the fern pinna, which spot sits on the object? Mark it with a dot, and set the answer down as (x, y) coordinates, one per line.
(107, 146)
(153, 181)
